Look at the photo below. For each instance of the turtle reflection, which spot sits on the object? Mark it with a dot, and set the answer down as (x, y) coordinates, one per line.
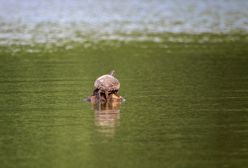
(107, 116)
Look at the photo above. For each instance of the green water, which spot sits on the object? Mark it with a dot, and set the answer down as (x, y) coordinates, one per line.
(186, 104)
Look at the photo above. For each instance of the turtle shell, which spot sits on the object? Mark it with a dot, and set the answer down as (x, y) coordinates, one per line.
(107, 83)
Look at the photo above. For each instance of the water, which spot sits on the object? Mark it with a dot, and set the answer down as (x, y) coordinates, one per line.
(186, 106)
(185, 84)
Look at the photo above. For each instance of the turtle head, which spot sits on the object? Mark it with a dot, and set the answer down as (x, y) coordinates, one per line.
(112, 73)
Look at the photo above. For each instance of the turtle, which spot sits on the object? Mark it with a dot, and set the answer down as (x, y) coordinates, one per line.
(106, 84)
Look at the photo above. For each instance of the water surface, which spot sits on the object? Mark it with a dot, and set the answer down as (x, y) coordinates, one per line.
(183, 72)
(186, 105)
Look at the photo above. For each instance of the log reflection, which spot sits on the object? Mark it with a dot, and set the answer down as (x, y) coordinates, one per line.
(107, 116)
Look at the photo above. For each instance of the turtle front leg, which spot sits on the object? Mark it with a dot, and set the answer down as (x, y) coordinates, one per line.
(99, 95)
(106, 94)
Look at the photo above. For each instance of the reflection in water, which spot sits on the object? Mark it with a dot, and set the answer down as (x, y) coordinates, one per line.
(107, 117)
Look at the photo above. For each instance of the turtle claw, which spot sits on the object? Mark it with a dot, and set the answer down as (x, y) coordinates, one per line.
(106, 95)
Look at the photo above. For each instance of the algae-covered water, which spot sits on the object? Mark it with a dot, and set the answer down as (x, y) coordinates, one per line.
(184, 78)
